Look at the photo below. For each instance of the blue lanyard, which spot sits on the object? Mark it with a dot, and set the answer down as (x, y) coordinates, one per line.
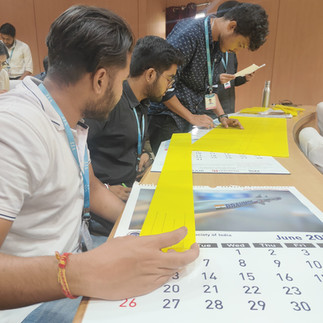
(208, 54)
(72, 144)
(141, 132)
(226, 61)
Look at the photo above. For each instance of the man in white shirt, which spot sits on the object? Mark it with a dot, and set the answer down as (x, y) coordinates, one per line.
(20, 59)
(47, 182)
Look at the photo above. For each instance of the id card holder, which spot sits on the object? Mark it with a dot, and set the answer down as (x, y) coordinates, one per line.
(85, 235)
(227, 85)
(210, 102)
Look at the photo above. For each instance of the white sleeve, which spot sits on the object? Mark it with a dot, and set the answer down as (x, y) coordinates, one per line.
(23, 164)
(311, 143)
(319, 113)
(28, 59)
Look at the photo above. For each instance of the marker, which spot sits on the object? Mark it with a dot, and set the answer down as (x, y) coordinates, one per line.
(124, 185)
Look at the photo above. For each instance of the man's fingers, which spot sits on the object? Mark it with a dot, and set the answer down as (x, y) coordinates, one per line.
(170, 238)
(177, 260)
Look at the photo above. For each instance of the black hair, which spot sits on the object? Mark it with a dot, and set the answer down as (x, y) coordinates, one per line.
(83, 39)
(8, 29)
(225, 6)
(252, 22)
(153, 52)
(3, 50)
(45, 63)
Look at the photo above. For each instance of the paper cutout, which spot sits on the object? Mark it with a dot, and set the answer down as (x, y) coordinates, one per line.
(276, 109)
(172, 205)
(288, 109)
(260, 136)
(248, 70)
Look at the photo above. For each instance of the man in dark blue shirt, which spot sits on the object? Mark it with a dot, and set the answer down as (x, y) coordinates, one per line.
(245, 26)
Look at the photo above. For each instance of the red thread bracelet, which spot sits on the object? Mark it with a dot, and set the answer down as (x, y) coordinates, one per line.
(61, 276)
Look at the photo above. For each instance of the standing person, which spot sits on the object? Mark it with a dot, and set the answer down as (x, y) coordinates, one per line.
(228, 67)
(226, 85)
(20, 59)
(202, 42)
(117, 145)
(46, 181)
(4, 77)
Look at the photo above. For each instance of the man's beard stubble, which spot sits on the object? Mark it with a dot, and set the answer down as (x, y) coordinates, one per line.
(100, 110)
(151, 95)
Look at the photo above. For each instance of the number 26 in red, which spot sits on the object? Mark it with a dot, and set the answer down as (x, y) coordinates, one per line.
(128, 303)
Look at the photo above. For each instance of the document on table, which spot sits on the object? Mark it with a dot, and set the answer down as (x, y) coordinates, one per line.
(210, 162)
(260, 260)
(248, 70)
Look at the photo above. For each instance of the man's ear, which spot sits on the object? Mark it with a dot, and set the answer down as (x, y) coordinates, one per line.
(150, 75)
(232, 25)
(101, 80)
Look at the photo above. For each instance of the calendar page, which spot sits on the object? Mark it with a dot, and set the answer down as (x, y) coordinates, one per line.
(217, 163)
(261, 260)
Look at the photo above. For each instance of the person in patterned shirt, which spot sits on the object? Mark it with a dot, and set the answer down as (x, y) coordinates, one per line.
(245, 26)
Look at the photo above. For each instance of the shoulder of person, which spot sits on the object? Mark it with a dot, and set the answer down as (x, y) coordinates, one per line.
(21, 44)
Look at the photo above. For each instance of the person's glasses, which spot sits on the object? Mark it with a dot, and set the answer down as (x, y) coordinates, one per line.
(170, 80)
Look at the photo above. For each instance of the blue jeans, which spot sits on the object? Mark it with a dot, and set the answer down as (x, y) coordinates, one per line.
(62, 310)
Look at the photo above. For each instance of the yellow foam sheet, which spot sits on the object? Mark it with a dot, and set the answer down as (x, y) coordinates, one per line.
(172, 205)
(253, 110)
(260, 136)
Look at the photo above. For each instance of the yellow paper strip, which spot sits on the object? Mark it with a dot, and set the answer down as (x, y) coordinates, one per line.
(260, 136)
(172, 205)
(253, 110)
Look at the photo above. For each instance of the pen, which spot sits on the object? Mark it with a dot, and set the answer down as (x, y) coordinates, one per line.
(124, 185)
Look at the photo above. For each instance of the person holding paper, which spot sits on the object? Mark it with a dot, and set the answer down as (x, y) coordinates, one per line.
(48, 187)
(227, 68)
(227, 82)
(202, 42)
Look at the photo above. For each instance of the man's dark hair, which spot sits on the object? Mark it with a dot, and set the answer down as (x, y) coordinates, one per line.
(252, 22)
(45, 64)
(83, 39)
(8, 29)
(3, 50)
(225, 6)
(153, 52)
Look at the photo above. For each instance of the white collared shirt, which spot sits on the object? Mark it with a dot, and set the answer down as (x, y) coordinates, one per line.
(41, 184)
(4, 80)
(20, 59)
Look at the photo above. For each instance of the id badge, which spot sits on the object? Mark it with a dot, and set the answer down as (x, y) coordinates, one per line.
(86, 237)
(227, 85)
(210, 102)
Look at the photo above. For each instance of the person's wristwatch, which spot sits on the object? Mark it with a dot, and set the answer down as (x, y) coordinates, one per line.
(223, 116)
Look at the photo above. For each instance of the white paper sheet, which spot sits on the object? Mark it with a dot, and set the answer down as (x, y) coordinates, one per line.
(248, 70)
(210, 162)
